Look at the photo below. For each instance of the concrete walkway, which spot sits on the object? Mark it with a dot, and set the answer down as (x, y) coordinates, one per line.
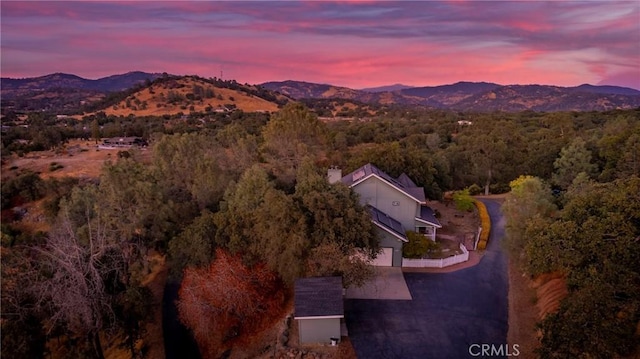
(388, 283)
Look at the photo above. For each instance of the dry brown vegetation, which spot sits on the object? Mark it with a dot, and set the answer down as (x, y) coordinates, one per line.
(151, 344)
(550, 288)
(226, 319)
(455, 224)
(80, 159)
(156, 97)
(523, 314)
(152, 338)
(529, 302)
(340, 106)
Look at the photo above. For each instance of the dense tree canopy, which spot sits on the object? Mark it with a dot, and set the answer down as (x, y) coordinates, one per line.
(267, 225)
(529, 197)
(594, 242)
(253, 186)
(291, 135)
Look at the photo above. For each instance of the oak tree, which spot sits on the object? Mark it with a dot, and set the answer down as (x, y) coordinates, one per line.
(227, 300)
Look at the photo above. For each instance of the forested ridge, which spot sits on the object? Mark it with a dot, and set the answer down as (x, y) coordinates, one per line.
(250, 191)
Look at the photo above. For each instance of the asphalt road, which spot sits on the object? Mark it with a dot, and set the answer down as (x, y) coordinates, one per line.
(449, 312)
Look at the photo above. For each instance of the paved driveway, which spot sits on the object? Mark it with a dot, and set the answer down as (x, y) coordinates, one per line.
(448, 313)
(388, 283)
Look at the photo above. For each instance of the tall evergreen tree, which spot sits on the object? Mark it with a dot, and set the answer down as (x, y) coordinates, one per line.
(573, 159)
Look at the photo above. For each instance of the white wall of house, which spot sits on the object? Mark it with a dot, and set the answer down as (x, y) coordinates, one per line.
(319, 330)
(389, 200)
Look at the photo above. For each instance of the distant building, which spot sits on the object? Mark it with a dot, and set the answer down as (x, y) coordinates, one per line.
(123, 142)
(465, 123)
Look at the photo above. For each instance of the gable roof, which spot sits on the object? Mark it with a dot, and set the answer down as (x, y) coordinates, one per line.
(319, 297)
(428, 216)
(387, 223)
(403, 183)
(406, 180)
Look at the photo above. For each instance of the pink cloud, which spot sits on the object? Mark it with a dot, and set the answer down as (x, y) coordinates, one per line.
(630, 78)
(352, 44)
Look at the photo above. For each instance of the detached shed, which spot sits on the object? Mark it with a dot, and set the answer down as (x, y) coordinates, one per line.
(319, 308)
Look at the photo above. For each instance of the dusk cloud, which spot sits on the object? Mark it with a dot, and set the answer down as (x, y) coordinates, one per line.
(355, 44)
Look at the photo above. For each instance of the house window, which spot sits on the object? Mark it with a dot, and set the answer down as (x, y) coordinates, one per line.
(395, 203)
(427, 231)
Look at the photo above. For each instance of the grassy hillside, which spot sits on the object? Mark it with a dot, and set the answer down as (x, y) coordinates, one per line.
(187, 94)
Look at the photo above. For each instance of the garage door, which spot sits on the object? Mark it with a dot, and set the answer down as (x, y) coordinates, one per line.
(384, 258)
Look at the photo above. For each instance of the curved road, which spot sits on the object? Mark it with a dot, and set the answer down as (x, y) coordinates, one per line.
(449, 311)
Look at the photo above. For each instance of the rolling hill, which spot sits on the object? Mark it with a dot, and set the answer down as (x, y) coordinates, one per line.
(64, 93)
(388, 88)
(175, 94)
(136, 93)
(60, 80)
(545, 99)
(477, 96)
(300, 90)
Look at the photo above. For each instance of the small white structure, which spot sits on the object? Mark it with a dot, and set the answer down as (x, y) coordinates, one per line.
(319, 308)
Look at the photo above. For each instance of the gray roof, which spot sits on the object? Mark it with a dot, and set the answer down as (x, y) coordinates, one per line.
(406, 180)
(387, 222)
(318, 297)
(402, 183)
(427, 214)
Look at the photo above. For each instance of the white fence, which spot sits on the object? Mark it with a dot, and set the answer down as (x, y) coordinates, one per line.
(437, 263)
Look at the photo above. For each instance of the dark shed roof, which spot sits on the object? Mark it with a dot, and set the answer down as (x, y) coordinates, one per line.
(318, 297)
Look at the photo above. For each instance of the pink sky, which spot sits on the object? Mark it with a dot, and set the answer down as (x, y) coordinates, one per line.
(353, 44)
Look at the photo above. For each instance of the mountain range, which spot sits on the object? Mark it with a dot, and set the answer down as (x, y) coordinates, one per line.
(64, 93)
(60, 80)
(476, 96)
(387, 88)
(69, 93)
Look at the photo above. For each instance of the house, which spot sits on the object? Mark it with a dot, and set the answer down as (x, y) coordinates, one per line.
(319, 308)
(396, 206)
(123, 142)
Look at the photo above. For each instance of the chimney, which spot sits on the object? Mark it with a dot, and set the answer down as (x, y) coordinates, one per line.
(334, 174)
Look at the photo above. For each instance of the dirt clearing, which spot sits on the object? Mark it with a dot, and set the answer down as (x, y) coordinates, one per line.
(78, 158)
